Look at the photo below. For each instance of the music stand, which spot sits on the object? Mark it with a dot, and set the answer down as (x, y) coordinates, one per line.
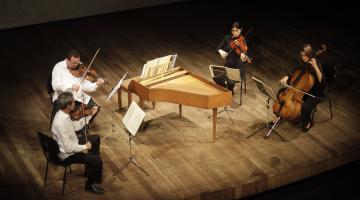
(267, 91)
(132, 121)
(220, 77)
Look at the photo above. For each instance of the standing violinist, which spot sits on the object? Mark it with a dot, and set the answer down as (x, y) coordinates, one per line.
(232, 59)
(63, 80)
(309, 103)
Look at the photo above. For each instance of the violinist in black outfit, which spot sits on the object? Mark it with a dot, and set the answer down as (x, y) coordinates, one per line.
(232, 59)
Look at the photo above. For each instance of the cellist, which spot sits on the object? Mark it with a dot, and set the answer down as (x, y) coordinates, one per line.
(232, 59)
(314, 67)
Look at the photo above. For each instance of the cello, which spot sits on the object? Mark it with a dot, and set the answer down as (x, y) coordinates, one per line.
(290, 99)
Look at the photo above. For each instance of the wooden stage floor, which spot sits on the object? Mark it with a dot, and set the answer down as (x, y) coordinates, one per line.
(178, 153)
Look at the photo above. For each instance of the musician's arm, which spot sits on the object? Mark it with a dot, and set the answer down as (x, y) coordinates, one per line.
(317, 69)
(89, 86)
(57, 81)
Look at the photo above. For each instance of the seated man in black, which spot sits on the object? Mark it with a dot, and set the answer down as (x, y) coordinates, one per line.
(71, 149)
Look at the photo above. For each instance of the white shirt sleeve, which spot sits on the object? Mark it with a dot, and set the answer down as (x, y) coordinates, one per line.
(58, 83)
(67, 138)
(79, 124)
(89, 86)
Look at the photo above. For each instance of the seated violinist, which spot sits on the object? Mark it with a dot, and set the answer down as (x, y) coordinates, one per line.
(234, 58)
(313, 67)
(63, 80)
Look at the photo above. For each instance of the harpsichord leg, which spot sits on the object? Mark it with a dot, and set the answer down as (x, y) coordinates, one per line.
(214, 123)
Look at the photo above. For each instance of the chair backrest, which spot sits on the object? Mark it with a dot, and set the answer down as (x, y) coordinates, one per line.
(49, 87)
(50, 148)
(330, 72)
(54, 110)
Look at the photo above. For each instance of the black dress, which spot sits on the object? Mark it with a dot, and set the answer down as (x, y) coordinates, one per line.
(317, 90)
(233, 59)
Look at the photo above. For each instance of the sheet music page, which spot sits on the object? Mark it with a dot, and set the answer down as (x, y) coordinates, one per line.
(265, 88)
(116, 87)
(158, 66)
(133, 118)
(173, 60)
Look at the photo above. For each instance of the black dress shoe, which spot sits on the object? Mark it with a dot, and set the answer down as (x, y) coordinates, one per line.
(95, 188)
(270, 123)
(305, 129)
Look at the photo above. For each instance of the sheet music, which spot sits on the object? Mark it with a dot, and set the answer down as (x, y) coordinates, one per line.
(116, 87)
(133, 118)
(173, 60)
(158, 66)
(264, 88)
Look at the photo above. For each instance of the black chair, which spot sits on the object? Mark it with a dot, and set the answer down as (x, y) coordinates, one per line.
(49, 87)
(330, 73)
(51, 149)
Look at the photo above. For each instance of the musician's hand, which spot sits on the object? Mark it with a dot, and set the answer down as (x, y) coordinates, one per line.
(100, 82)
(88, 145)
(236, 42)
(323, 47)
(222, 53)
(313, 62)
(284, 80)
(75, 87)
(94, 110)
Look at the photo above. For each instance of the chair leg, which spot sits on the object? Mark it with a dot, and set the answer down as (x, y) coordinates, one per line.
(64, 181)
(313, 113)
(70, 168)
(245, 84)
(241, 89)
(85, 171)
(46, 172)
(330, 107)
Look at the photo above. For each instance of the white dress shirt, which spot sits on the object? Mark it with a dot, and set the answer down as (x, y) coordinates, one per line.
(62, 81)
(63, 131)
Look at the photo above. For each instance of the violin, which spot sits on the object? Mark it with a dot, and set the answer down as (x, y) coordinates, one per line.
(290, 99)
(80, 111)
(240, 47)
(91, 74)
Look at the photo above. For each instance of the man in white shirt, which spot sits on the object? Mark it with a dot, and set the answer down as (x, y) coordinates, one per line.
(71, 149)
(63, 81)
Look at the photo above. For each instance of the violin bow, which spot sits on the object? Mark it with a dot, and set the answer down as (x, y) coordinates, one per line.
(288, 86)
(87, 69)
(247, 33)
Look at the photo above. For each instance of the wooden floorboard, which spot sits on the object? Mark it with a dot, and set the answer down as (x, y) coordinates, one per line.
(178, 153)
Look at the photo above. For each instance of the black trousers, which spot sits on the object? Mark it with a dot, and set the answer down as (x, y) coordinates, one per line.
(306, 109)
(92, 160)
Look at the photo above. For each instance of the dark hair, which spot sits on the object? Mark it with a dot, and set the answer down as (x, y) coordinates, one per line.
(73, 53)
(305, 53)
(65, 99)
(235, 25)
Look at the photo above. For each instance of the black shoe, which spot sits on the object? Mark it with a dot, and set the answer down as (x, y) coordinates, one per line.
(95, 188)
(305, 129)
(270, 123)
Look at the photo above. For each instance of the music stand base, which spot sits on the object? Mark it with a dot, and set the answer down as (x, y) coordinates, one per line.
(227, 112)
(267, 135)
(133, 161)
